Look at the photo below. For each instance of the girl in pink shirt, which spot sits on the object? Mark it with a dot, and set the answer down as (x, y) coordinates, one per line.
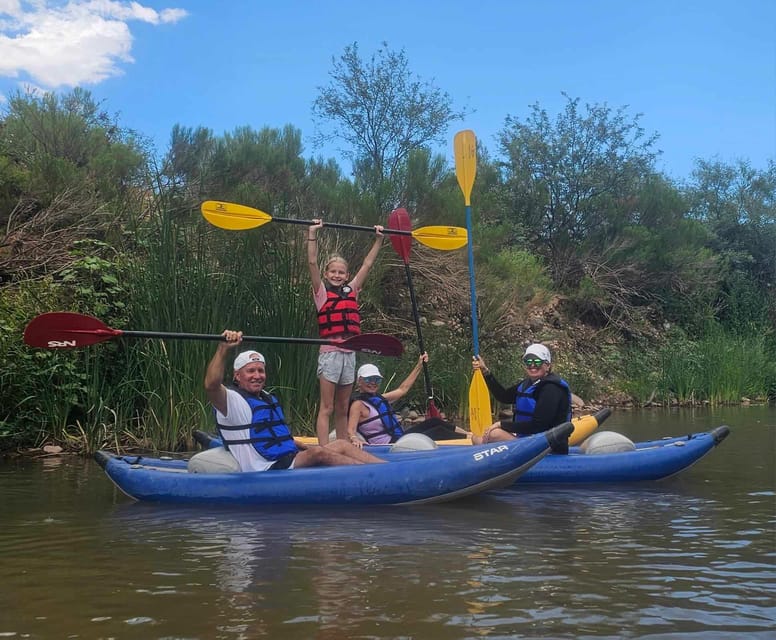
(336, 301)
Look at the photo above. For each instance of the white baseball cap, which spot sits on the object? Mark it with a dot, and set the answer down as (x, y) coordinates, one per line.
(369, 370)
(538, 350)
(247, 357)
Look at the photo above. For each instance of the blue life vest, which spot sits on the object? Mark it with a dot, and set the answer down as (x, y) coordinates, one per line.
(270, 435)
(385, 413)
(525, 399)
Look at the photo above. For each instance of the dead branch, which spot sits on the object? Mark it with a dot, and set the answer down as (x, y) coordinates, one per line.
(37, 242)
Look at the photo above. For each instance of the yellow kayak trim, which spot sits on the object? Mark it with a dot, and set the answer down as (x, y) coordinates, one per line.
(584, 426)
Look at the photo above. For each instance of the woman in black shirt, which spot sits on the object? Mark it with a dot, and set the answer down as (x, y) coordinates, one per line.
(540, 401)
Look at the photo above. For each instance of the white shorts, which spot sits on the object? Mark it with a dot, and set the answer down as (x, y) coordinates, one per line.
(338, 367)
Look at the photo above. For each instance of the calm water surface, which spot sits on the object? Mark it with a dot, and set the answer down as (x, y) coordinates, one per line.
(691, 557)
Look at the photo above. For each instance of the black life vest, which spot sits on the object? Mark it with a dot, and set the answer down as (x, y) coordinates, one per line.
(270, 435)
(339, 314)
(388, 422)
(525, 399)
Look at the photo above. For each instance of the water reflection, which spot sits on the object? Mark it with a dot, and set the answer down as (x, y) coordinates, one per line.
(339, 569)
(630, 557)
(564, 562)
(693, 557)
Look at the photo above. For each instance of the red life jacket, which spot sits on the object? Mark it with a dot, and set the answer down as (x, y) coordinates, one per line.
(339, 314)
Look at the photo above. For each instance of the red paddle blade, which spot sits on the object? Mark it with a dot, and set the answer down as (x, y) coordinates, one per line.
(65, 330)
(431, 409)
(378, 344)
(399, 220)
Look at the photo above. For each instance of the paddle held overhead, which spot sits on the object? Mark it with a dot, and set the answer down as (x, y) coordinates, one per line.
(465, 146)
(66, 330)
(238, 217)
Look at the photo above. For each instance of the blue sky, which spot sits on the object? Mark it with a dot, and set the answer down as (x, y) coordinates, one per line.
(702, 73)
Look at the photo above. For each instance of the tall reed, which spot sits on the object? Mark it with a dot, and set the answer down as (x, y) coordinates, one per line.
(734, 366)
(719, 367)
(191, 277)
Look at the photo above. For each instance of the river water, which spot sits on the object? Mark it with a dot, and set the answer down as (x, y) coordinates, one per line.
(690, 557)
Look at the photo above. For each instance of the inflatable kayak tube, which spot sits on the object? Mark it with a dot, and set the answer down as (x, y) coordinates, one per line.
(403, 480)
(646, 461)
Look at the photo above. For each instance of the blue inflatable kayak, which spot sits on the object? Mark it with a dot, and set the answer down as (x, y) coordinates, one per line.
(405, 479)
(648, 461)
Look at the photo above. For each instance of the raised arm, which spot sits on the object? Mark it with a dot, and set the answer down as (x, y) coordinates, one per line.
(394, 394)
(312, 254)
(358, 281)
(214, 375)
(505, 396)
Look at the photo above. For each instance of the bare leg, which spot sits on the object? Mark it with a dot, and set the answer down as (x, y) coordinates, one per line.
(494, 433)
(325, 410)
(320, 457)
(341, 407)
(334, 454)
(498, 434)
(344, 448)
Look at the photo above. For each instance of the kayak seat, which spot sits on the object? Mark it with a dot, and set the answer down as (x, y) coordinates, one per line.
(413, 442)
(216, 460)
(607, 442)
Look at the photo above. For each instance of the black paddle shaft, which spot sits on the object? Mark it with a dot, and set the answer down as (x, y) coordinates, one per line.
(218, 336)
(416, 317)
(342, 225)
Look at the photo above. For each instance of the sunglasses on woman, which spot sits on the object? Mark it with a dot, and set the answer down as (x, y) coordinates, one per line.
(372, 379)
(533, 362)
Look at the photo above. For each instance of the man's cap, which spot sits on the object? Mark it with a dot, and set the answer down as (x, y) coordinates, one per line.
(246, 357)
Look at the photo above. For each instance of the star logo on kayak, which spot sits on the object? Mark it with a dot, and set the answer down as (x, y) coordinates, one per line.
(487, 453)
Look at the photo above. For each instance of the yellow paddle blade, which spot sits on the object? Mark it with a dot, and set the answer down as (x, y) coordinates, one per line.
(465, 147)
(480, 415)
(444, 238)
(236, 217)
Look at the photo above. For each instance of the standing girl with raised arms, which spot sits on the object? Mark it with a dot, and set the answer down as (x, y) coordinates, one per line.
(336, 300)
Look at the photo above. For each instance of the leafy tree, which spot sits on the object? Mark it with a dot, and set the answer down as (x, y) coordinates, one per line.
(657, 266)
(66, 142)
(383, 113)
(65, 164)
(569, 180)
(426, 192)
(737, 203)
(189, 161)
(264, 166)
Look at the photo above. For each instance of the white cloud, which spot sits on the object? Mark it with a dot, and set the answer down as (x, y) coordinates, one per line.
(78, 42)
(10, 7)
